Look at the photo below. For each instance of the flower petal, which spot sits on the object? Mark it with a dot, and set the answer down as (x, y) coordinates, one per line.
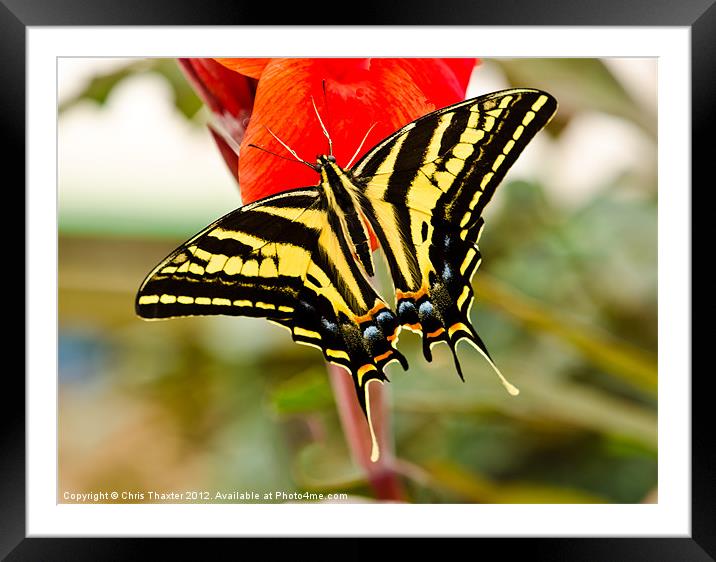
(248, 67)
(222, 90)
(436, 78)
(359, 94)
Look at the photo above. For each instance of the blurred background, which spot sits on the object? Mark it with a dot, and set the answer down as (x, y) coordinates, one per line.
(566, 302)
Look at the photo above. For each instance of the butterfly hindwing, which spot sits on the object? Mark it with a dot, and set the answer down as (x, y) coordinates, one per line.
(284, 258)
(423, 191)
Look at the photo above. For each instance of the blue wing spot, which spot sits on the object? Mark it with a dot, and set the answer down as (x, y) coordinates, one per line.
(386, 321)
(371, 333)
(329, 327)
(447, 273)
(426, 308)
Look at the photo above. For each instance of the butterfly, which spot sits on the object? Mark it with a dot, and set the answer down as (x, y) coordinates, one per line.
(302, 258)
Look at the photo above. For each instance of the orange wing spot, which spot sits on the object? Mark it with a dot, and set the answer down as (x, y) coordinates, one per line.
(436, 333)
(363, 370)
(415, 328)
(383, 356)
(379, 305)
(414, 295)
(391, 338)
(457, 326)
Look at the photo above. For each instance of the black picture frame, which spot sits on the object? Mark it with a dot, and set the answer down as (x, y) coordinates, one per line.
(698, 15)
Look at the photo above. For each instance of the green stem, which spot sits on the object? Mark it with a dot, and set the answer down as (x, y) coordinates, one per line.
(381, 474)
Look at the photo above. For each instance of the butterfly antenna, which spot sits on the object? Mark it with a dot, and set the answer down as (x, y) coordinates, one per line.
(361, 145)
(328, 113)
(280, 155)
(325, 131)
(293, 152)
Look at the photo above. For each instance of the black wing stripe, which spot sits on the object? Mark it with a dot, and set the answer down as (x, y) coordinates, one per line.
(369, 164)
(451, 136)
(509, 135)
(407, 164)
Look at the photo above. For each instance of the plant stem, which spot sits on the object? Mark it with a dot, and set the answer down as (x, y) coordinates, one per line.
(381, 474)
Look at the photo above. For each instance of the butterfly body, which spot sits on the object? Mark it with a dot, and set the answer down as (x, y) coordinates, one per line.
(342, 197)
(302, 258)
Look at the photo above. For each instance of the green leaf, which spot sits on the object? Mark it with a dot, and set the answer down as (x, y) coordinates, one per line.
(307, 392)
(185, 99)
(101, 86)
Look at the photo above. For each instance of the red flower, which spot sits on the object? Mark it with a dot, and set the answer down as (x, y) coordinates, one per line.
(249, 97)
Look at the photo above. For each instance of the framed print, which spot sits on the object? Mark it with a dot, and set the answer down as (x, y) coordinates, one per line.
(214, 193)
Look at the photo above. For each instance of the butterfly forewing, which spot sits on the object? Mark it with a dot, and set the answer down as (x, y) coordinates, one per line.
(424, 189)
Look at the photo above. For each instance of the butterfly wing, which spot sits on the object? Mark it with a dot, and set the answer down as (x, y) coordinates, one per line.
(284, 258)
(423, 191)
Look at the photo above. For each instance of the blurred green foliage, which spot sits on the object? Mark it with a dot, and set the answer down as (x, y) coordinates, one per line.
(100, 87)
(566, 301)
